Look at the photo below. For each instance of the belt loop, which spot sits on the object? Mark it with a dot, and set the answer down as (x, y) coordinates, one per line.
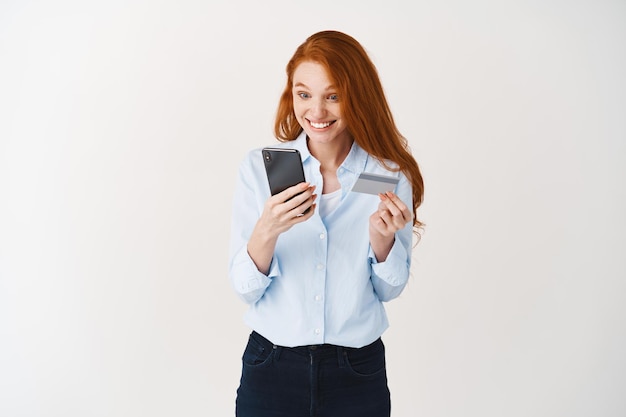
(277, 350)
(341, 356)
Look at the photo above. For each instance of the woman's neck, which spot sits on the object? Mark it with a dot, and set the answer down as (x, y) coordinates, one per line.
(330, 155)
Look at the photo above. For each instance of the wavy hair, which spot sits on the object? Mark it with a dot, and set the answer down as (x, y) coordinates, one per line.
(363, 105)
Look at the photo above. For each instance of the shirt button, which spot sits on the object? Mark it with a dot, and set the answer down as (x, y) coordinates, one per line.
(318, 298)
(317, 331)
(320, 266)
(322, 235)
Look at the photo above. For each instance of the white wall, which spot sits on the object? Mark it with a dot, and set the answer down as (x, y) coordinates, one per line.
(121, 127)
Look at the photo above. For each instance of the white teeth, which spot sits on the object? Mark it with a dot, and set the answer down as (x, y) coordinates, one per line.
(320, 125)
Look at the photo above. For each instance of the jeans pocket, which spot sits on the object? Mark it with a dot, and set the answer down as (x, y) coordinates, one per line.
(256, 354)
(367, 361)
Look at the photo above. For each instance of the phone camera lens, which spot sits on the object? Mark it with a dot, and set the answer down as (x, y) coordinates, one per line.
(267, 156)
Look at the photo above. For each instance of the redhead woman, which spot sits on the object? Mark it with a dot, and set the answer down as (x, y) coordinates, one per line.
(317, 261)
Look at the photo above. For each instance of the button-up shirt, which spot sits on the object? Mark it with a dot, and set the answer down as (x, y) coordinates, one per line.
(324, 284)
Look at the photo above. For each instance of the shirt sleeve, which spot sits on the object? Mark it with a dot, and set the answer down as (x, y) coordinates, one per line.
(248, 200)
(391, 276)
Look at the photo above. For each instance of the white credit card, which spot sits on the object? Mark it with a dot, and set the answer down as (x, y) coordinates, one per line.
(374, 183)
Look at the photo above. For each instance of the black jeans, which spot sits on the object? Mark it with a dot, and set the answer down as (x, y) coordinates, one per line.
(312, 381)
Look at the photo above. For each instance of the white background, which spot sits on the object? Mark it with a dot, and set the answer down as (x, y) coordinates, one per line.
(121, 128)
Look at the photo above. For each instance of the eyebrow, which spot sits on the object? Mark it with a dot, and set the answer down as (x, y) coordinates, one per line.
(302, 85)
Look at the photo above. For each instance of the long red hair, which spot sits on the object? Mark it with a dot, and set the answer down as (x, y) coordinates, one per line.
(363, 105)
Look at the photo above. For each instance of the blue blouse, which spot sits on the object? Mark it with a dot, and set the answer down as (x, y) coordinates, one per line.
(324, 284)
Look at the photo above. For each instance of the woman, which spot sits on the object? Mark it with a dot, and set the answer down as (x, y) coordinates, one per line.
(316, 280)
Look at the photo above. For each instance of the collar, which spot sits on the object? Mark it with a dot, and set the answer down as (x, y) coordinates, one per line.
(355, 160)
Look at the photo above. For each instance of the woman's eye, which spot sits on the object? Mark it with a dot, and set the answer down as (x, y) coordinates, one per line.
(333, 97)
(304, 95)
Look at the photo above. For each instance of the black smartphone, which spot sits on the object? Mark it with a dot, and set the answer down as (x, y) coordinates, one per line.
(283, 167)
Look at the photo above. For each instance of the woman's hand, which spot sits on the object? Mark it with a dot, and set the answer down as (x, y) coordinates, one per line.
(392, 215)
(283, 210)
(287, 208)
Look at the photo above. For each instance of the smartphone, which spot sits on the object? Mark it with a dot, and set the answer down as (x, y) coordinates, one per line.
(283, 167)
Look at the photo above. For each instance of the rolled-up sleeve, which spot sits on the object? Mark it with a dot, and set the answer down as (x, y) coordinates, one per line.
(391, 276)
(247, 281)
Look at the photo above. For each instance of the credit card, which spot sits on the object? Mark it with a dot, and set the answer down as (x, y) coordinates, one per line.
(374, 183)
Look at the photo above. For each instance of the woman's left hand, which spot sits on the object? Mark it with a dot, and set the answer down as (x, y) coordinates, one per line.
(392, 215)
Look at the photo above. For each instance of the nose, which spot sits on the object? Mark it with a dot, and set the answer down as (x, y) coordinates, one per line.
(318, 108)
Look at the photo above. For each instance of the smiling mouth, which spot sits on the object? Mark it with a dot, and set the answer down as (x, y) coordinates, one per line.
(321, 125)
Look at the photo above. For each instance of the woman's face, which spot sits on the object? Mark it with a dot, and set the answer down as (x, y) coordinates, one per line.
(317, 106)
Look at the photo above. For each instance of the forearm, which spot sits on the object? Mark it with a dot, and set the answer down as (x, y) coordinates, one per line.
(261, 247)
(381, 245)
